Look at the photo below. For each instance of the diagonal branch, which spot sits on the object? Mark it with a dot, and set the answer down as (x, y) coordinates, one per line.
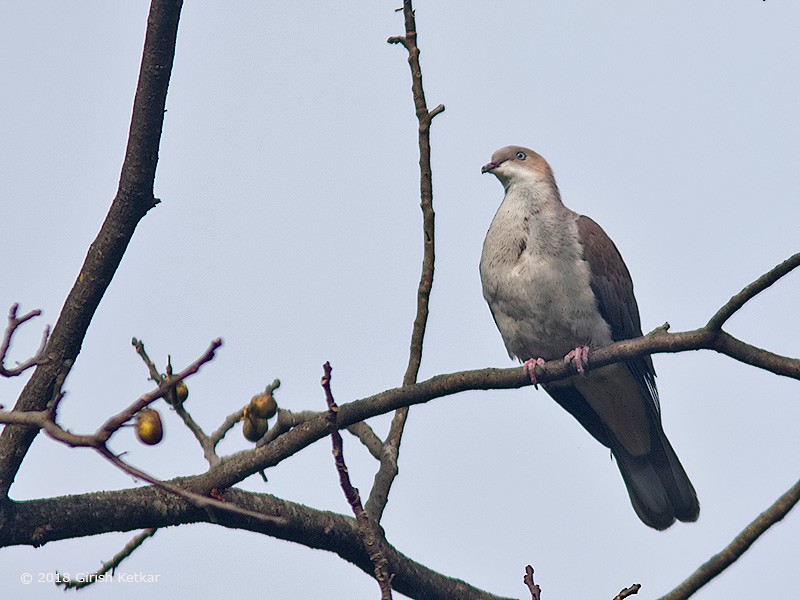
(134, 198)
(719, 562)
(750, 291)
(116, 560)
(387, 471)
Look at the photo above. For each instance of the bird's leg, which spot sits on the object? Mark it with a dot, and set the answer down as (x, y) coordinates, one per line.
(529, 365)
(580, 358)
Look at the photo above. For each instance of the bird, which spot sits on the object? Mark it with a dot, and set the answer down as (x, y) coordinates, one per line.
(556, 285)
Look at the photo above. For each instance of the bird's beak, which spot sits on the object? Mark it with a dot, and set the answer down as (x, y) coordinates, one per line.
(487, 168)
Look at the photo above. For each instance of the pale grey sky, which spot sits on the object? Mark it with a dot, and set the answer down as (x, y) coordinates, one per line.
(289, 226)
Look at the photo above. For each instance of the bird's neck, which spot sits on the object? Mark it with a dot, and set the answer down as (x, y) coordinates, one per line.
(532, 216)
(532, 198)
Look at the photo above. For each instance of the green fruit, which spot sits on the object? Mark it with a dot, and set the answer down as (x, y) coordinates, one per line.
(263, 405)
(148, 427)
(253, 427)
(181, 391)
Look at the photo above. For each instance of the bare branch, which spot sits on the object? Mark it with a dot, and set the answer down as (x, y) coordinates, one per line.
(533, 588)
(368, 437)
(197, 499)
(99, 575)
(13, 323)
(629, 591)
(367, 528)
(388, 470)
(207, 444)
(719, 562)
(155, 375)
(133, 200)
(229, 423)
(115, 422)
(44, 419)
(30, 523)
(313, 426)
(750, 291)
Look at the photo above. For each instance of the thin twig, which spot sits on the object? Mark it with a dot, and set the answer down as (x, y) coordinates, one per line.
(533, 588)
(206, 443)
(198, 500)
(13, 323)
(628, 591)
(155, 375)
(115, 422)
(44, 419)
(367, 528)
(721, 561)
(379, 495)
(751, 290)
(116, 560)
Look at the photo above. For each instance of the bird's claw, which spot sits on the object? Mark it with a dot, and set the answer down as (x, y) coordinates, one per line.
(580, 358)
(529, 367)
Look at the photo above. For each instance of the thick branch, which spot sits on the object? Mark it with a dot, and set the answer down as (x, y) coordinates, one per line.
(134, 198)
(31, 523)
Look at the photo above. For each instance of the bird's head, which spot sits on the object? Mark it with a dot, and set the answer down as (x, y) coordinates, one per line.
(517, 164)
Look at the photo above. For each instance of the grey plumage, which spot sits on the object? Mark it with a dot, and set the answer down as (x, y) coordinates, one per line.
(554, 281)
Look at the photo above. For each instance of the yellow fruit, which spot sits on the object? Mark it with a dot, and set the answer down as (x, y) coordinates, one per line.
(148, 427)
(253, 427)
(178, 394)
(263, 405)
(181, 391)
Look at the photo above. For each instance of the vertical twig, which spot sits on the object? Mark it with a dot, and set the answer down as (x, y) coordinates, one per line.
(533, 588)
(367, 528)
(388, 468)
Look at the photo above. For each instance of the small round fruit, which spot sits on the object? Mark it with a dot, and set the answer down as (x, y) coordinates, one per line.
(181, 391)
(253, 427)
(148, 427)
(263, 405)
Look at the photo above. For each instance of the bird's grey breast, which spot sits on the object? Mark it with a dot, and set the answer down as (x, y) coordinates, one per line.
(536, 280)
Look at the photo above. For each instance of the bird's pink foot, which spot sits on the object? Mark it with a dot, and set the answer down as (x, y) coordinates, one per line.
(580, 358)
(529, 365)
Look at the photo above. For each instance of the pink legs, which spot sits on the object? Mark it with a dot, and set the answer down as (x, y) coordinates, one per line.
(529, 366)
(580, 358)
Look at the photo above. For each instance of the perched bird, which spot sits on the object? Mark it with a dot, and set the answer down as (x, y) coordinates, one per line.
(556, 284)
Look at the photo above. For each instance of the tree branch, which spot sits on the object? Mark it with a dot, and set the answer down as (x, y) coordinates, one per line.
(314, 425)
(13, 323)
(31, 523)
(388, 470)
(719, 562)
(750, 291)
(367, 528)
(134, 198)
(127, 550)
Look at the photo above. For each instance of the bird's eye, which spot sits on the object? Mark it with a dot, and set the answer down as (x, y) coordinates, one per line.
(521, 155)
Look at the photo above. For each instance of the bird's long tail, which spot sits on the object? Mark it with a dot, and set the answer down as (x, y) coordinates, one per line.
(658, 486)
